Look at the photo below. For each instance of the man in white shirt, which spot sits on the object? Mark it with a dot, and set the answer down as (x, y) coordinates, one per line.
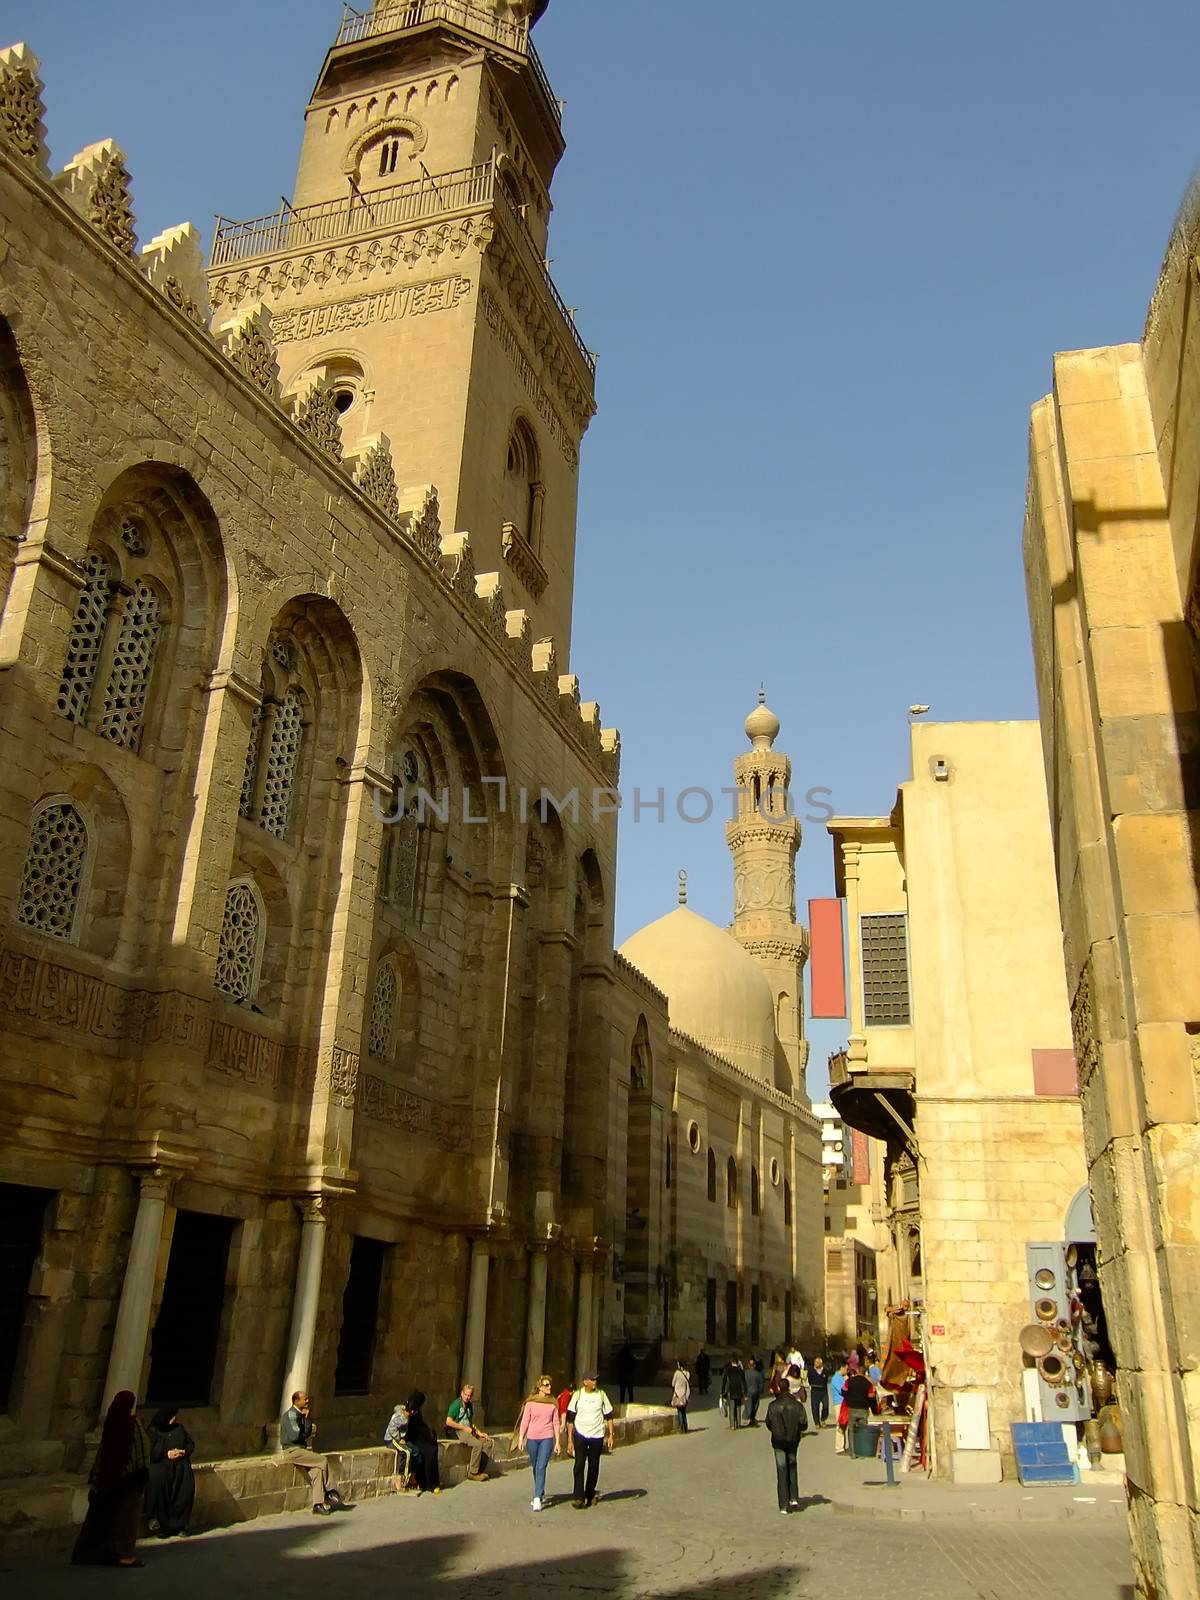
(589, 1426)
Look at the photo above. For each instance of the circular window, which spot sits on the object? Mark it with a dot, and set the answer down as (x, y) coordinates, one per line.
(693, 1137)
(774, 1171)
(409, 767)
(343, 399)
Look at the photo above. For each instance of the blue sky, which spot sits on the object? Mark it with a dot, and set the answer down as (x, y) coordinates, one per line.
(826, 254)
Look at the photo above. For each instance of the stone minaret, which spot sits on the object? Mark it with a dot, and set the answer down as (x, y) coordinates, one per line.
(764, 840)
(408, 270)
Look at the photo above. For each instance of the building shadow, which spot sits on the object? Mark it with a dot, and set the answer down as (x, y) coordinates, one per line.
(251, 1561)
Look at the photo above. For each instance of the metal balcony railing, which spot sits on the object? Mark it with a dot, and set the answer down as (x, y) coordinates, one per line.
(292, 227)
(402, 14)
(420, 199)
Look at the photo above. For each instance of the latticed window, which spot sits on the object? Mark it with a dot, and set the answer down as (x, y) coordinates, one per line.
(52, 883)
(133, 662)
(246, 808)
(885, 969)
(406, 851)
(382, 1030)
(86, 638)
(282, 757)
(239, 955)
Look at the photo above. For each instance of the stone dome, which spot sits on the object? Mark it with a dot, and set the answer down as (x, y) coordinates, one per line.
(715, 992)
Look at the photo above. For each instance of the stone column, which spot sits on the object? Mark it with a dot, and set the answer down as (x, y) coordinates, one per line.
(583, 1318)
(137, 1290)
(535, 1326)
(308, 1298)
(477, 1293)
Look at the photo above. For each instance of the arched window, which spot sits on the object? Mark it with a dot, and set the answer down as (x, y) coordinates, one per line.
(524, 491)
(389, 154)
(276, 741)
(132, 664)
(731, 1182)
(405, 843)
(755, 1201)
(787, 1204)
(381, 1032)
(86, 638)
(712, 1177)
(56, 859)
(243, 934)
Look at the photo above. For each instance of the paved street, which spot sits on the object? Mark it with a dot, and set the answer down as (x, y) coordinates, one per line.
(692, 1517)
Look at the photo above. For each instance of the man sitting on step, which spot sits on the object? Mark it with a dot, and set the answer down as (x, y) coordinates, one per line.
(296, 1435)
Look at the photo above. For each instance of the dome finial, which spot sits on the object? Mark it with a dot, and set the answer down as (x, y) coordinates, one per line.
(762, 725)
(682, 888)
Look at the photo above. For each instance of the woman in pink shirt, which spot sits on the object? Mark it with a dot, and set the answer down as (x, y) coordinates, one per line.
(537, 1432)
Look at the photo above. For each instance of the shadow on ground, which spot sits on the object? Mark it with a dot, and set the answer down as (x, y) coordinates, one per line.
(256, 1560)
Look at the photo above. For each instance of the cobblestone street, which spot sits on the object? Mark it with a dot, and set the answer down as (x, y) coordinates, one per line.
(691, 1517)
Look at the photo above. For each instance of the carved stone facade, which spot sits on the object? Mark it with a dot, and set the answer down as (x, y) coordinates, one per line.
(237, 616)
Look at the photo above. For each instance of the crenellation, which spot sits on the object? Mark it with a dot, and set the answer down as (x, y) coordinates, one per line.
(314, 410)
(247, 341)
(96, 182)
(372, 470)
(22, 106)
(490, 590)
(174, 263)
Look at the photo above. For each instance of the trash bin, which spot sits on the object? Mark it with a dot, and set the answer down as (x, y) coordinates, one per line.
(864, 1440)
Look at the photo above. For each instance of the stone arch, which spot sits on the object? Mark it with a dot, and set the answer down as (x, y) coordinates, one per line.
(407, 131)
(395, 955)
(104, 891)
(18, 455)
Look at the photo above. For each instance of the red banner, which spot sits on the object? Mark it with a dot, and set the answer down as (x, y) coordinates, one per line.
(826, 960)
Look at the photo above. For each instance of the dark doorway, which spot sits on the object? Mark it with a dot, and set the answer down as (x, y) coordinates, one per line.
(731, 1312)
(710, 1311)
(360, 1314)
(183, 1347)
(754, 1312)
(22, 1216)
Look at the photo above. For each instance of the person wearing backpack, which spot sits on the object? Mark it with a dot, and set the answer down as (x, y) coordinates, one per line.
(785, 1421)
(589, 1428)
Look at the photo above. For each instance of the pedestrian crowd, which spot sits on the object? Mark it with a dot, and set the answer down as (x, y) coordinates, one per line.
(145, 1473)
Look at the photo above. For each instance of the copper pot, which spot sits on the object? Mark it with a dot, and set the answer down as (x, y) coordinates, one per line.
(1102, 1384)
(1036, 1340)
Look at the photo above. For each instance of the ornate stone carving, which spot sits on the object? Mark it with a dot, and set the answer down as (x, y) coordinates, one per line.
(589, 716)
(520, 556)
(315, 412)
(519, 631)
(259, 570)
(250, 1057)
(397, 1107)
(356, 311)
(568, 700)
(21, 111)
(43, 991)
(1083, 1027)
(545, 670)
(424, 527)
(248, 343)
(458, 563)
(174, 263)
(495, 611)
(374, 474)
(610, 754)
(507, 337)
(337, 1074)
(96, 182)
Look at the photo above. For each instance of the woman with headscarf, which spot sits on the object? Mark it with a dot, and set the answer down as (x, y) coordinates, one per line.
(422, 1441)
(117, 1482)
(171, 1491)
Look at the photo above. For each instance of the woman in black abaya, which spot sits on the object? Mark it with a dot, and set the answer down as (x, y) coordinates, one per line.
(172, 1487)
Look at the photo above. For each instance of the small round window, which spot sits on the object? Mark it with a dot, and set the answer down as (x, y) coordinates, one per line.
(774, 1170)
(343, 399)
(693, 1136)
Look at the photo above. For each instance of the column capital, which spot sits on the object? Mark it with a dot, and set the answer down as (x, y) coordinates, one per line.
(156, 1181)
(316, 1208)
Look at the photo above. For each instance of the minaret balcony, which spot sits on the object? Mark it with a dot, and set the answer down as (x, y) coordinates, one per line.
(366, 215)
(406, 16)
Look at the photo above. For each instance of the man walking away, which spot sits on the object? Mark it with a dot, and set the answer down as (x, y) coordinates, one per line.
(733, 1391)
(626, 1372)
(681, 1393)
(296, 1436)
(785, 1424)
(589, 1426)
(755, 1383)
(703, 1367)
